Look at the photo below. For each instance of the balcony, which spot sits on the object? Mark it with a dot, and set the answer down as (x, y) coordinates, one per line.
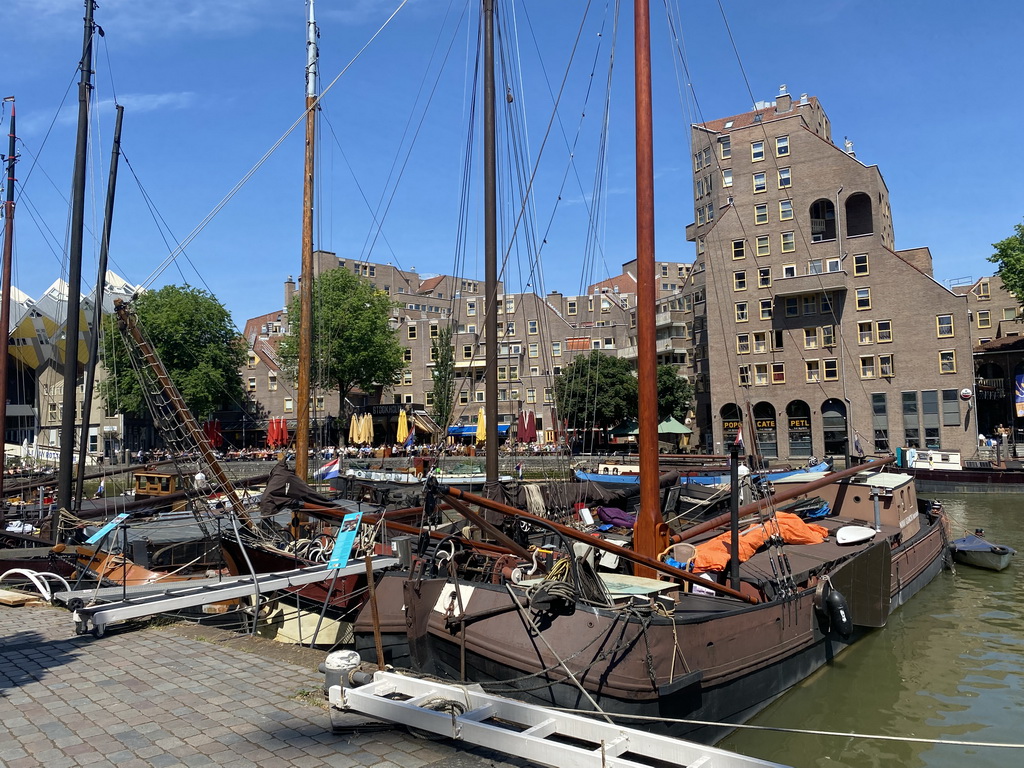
(670, 318)
(816, 283)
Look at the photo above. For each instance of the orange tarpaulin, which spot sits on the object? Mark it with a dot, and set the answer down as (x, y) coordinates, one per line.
(713, 555)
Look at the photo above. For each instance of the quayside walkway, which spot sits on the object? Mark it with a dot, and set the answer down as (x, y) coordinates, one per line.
(180, 695)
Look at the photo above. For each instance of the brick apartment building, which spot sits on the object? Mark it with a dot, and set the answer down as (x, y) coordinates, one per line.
(803, 315)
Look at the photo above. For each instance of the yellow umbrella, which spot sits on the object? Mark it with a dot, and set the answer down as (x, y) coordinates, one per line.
(481, 426)
(403, 428)
(369, 429)
(353, 430)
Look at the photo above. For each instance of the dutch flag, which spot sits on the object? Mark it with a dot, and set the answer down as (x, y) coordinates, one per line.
(330, 470)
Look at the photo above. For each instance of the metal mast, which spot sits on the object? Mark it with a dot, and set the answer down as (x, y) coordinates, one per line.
(303, 387)
(490, 252)
(649, 537)
(97, 310)
(5, 287)
(67, 424)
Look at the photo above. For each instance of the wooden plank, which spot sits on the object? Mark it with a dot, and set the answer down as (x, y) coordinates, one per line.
(7, 597)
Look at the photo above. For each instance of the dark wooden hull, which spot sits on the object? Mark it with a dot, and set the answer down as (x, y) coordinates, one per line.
(968, 480)
(710, 659)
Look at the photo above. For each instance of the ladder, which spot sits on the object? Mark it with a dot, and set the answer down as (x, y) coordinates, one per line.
(529, 731)
(187, 595)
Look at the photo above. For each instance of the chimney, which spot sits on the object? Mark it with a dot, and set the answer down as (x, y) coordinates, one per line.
(783, 102)
(289, 291)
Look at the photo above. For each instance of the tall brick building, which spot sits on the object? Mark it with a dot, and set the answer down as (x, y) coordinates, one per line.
(803, 314)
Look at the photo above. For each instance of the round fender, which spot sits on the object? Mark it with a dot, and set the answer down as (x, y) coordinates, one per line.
(838, 613)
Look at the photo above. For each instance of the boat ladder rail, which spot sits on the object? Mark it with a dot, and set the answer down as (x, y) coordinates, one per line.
(530, 731)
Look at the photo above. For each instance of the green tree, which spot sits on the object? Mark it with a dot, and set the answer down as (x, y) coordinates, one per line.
(1009, 256)
(354, 345)
(197, 343)
(443, 391)
(596, 390)
(674, 393)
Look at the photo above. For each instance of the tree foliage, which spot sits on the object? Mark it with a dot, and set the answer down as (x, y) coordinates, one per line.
(443, 391)
(674, 393)
(354, 345)
(195, 340)
(596, 390)
(1009, 256)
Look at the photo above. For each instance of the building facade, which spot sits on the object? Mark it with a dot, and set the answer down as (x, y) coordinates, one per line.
(806, 322)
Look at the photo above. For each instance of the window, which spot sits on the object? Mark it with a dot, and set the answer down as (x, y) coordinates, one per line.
(810, 338)
(727, 177)
(739, 280)
(765, 306)
(252, 383)
(571, 308)
(983, 290)
(810, 304)
(510, 305)
(785, 210)
(947, 361)
(470, 308)
(502, 373)
(785, 178)
(860, 264)
(764, 277)
(880, 421)
(743, 378)
(885, 366)
(826, 303)
(464, 397)
(863, 299)
(289, 404)
(812, 370)
(743, 344)
(984, 318)
(814, 267)
(741, 312)
(781, 146)
(411, 331)
(866, 332)
(831, 369)
(556, 349)
(480, 395)
(828, 336)
(778, 373)
(834, 264)
(764, 247)
(533, 349)
(510, 328)
(407, 355)
(761, 374)
(549, 395)
(883, 331)
(531, 395)
(467, 351)
(760, 182)
(756, 151)
(434, 331)
(867, 367)
(428, 399)
(944, 326)
(739, 249)
(434, 354)
(760, 341)
(407, 378)
(911, 419)
(950, 408)
(252, 360)
(1009, 313)
(792, 306)
(788, 242)
(789, 270)
(725, 147)
(761, 213)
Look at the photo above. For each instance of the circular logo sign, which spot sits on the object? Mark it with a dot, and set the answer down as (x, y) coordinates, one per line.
(966, 394)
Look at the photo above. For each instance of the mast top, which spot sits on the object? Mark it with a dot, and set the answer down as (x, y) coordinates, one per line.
(311, 54)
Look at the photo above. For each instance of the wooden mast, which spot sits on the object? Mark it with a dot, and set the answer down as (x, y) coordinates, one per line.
(490, 253)
(304, 389)
(649, 533)
(5, 287)
(67, 423)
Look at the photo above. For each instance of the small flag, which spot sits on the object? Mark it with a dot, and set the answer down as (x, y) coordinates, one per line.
(739, 437)
(330, 470)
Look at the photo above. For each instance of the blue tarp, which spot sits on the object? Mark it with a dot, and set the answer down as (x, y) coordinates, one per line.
(471, 430)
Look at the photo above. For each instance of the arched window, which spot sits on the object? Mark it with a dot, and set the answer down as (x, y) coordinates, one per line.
(767, 429)
(858, 215)
(823, 220)
(833, 426)
(798, 421)
(732, 418)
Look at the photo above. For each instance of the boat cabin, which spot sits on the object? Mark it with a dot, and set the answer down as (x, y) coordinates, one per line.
(154, 484)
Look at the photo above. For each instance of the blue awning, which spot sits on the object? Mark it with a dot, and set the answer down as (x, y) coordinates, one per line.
(471, 430)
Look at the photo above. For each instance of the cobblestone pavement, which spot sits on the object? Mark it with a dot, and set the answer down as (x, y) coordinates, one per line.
(174, 695)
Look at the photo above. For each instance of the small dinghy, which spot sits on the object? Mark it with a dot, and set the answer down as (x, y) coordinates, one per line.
(974, 549)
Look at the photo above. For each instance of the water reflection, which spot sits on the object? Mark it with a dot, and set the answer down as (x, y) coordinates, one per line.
(949, 665)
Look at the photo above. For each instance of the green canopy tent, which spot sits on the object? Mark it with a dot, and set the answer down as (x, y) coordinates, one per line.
(671, 426)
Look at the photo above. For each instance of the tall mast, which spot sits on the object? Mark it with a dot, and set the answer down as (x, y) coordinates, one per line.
(649, 532)
(5, 287)
(67, 423)
(97, 310)
(304, 389)
(490, 252)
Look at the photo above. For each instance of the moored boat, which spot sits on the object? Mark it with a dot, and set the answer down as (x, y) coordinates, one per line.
(975, 550)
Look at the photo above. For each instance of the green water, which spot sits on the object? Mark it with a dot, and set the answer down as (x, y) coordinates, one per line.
(949, 665)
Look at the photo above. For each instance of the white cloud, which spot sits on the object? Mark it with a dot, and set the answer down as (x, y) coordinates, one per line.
(138, 103)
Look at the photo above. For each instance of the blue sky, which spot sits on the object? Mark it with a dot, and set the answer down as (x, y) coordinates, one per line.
(925, 90)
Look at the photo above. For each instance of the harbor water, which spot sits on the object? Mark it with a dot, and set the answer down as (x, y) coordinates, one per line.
(949, 667)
